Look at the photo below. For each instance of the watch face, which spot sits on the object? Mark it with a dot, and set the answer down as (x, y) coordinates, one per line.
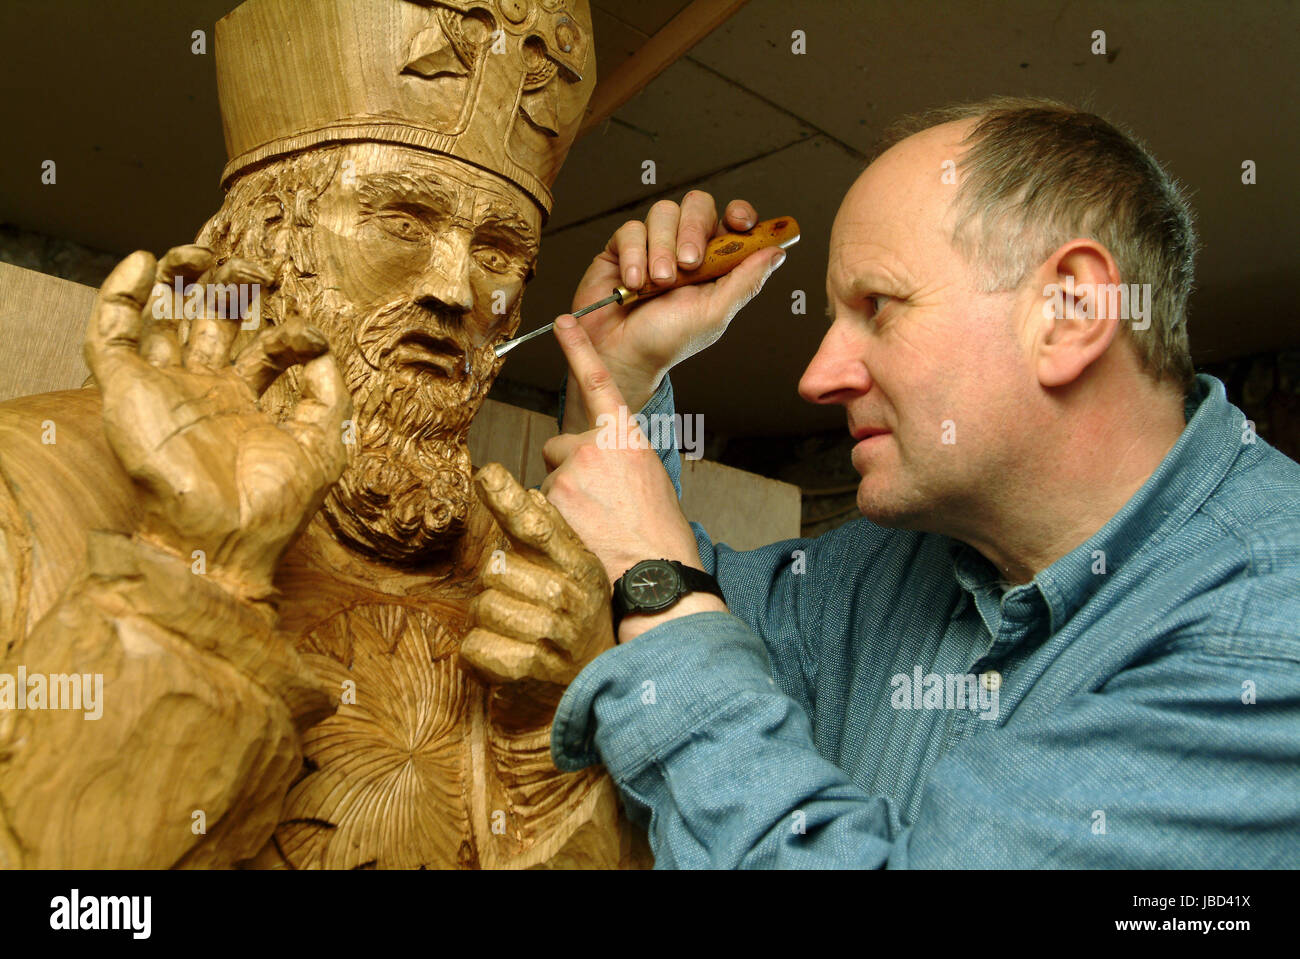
(652, 584)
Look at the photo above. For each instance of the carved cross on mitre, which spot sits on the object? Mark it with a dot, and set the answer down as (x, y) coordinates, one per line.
(462, 32)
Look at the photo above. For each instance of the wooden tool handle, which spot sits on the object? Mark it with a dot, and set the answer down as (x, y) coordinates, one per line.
(722, 255)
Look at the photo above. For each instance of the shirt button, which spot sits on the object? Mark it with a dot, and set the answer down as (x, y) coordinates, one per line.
(992, 680)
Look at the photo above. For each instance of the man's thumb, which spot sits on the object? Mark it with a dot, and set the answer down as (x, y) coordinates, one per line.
(744, 282)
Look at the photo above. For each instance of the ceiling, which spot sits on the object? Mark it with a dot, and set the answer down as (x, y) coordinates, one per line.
(113, 94)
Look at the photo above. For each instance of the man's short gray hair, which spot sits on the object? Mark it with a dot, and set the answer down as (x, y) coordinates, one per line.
(1039, 173)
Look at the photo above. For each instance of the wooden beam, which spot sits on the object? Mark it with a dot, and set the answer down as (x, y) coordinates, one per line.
(661, 51)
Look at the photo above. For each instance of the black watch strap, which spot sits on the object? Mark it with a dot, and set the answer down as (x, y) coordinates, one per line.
(697, 580)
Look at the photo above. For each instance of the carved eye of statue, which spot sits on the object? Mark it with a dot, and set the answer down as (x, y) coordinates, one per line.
(493, 259)
(402, 225)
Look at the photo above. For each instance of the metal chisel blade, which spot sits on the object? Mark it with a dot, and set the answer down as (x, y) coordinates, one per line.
(509, 345)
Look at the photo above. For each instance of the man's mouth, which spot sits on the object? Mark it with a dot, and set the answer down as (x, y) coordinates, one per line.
(434, 354)
(866, 432)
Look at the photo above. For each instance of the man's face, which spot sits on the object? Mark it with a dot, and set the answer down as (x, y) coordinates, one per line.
(914, 350)
(421, 262)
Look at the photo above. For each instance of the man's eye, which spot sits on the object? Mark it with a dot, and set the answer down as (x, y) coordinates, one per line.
(877, 302)
(402, 225)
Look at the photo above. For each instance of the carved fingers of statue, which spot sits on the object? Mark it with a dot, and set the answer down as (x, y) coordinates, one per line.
(643, 341)
(217, 475)
(545, 611)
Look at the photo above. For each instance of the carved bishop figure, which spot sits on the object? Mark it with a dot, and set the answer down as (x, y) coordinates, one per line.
(267, 540)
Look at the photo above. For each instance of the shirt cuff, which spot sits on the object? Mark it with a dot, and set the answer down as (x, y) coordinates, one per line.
(636, 703)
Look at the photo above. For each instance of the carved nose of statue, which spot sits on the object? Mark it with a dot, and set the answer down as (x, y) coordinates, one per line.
(445, 288)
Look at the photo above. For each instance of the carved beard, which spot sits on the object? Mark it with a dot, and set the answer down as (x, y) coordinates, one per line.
(405, 494)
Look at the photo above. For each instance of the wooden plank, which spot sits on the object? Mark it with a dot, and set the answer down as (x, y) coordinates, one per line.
(499, 434)
(42, 326)
(738, 508)
(659, 52)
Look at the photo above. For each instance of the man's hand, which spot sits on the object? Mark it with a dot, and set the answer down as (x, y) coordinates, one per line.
(640, 343)
(612, 487)
(545, 613)
(215, 473)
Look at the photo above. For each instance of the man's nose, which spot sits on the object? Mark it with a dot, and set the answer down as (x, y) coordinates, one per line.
(838, 371)
(444, 284)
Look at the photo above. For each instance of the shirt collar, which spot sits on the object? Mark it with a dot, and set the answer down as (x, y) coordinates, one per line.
(1185, 478)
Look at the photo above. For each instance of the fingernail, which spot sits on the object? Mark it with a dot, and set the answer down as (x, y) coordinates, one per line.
(662, 269)
(778, 259)
(688, 253)
(634, 277)
(565, 322)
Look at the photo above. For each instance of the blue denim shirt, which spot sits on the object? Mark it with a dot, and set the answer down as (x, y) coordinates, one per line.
(874, 698)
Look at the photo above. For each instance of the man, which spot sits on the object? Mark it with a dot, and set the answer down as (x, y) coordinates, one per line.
(1064, 632)
(284, 680)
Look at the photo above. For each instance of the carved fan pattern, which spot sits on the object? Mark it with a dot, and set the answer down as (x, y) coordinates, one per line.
(389, 788)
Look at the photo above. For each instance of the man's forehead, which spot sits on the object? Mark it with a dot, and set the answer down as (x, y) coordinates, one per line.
(897, 210)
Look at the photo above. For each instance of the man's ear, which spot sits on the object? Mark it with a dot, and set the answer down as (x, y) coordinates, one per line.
(1075, 323)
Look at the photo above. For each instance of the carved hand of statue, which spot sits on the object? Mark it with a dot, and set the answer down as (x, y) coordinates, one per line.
(643, 341)
(545, 612)
(215, 472)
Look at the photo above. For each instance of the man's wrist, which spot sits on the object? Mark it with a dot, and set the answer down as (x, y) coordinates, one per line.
(640, 387)
(634, 624)
(636, 387)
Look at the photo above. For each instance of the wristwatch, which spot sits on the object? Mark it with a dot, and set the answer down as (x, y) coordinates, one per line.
(653, 585)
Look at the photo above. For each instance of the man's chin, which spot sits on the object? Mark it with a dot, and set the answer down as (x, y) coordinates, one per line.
(884, 507)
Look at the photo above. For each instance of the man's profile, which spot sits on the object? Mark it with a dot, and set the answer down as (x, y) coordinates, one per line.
(1075, 557)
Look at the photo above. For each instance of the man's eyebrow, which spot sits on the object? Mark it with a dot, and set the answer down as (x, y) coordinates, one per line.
(871, 280)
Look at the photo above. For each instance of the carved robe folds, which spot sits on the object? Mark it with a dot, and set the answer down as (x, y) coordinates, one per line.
(341, 733)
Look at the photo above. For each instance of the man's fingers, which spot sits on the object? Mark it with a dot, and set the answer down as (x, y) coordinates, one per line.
(160, 345)
(699, 217)
(599, 392)
(738, 217)
(113, 332)
(628, 244)
(316, 420)
(526, 519)
(276, 349)
(502, 659)
(559, 448)
(208, 345)
(661, 234)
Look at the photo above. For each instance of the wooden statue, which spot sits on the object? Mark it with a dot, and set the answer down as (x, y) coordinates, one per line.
(260, 572)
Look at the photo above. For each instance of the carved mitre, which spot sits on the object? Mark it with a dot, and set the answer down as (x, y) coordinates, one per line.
(500, 84)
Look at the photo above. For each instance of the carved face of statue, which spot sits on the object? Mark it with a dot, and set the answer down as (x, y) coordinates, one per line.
(426, 259)
(413, 265)
(401, 226)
